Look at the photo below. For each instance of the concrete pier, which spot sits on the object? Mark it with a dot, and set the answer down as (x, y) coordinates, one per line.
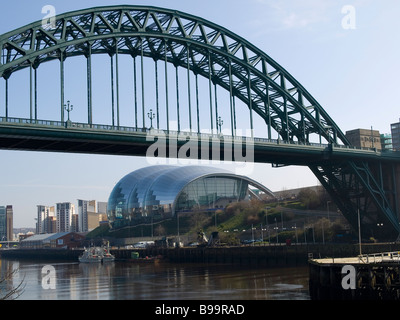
(365, 277)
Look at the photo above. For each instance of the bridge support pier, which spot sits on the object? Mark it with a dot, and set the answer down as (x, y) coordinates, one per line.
(371, 188)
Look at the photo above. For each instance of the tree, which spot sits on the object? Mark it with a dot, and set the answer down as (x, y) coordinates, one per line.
(309, 197)
(199, 219)
(323, 230)
(14, 292)
(159, 230)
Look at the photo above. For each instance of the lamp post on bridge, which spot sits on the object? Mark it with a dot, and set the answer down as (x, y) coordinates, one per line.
(220, 123)
(151, 116)
(68, 108)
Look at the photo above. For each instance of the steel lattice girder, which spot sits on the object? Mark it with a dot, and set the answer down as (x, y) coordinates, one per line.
(236, 65)
(354, 188)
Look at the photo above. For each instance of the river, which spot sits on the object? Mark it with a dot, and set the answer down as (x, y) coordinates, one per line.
(149, 281)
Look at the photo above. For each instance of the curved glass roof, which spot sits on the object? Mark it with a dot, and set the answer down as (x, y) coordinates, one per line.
(159, 185)
(166, 182)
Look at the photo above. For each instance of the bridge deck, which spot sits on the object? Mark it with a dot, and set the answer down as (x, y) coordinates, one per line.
(57, 136)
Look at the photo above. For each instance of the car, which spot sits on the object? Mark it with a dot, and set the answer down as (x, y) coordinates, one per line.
(247, 241)
(143, 244)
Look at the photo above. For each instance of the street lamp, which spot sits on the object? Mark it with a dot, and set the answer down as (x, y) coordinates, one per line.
(151, 116)
(220, 123)
(295, 230)
(327, 206)
(262, 233)
(252, 235)
(68, 108)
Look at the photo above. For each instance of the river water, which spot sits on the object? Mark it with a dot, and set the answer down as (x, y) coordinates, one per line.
(149, 281)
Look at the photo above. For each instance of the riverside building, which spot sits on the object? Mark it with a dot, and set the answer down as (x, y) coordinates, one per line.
(91, 214)
(158, 193)
(386, 142)
(365, 138)
(45, 219)
(84, 208)
(6, 223)
(395, 128)
(64, 212)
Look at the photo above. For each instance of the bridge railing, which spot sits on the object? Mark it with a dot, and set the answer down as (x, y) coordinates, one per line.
(105, 127)
(380, 257)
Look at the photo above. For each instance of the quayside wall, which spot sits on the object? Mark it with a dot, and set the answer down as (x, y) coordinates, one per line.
(366, 277)
(269, 255)
(41, 254)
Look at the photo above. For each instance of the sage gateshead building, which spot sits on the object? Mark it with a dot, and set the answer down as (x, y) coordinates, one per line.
(157, 193)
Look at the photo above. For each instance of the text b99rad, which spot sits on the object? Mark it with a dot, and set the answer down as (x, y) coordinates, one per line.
(221, 309)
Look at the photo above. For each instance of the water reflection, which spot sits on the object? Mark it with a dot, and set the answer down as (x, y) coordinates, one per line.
(127, 281)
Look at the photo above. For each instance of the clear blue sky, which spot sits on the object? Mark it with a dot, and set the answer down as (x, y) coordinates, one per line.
(353, 73)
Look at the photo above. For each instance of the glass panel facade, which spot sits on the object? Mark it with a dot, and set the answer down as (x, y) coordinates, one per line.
(3, 224)
(211, 192)
(126, 200)
(395, 128)
(156, 193)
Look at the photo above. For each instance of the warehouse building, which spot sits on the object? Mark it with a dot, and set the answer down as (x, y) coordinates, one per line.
(61, 240)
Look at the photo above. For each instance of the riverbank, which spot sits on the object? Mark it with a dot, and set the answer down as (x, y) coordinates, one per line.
(366, 277)
(269, 255)
(42, 254)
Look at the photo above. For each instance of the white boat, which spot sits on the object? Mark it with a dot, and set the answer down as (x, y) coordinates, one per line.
(91, 255)
(96, 254)
(107, 256)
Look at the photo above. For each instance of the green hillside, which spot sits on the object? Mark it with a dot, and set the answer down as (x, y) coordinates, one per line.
(274, 221)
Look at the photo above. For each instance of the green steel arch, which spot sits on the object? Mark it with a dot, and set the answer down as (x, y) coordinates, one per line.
(226, 60)
(186, 41)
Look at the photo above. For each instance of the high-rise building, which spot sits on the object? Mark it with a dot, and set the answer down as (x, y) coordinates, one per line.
(45, 217)
(53, 225)
(74, 223)
(84, 208)
(64, 214)
(102, 207)
(3, 224)
(89, 217)
(102, 212)
(9, 223)
(386, 142)
(365, 138)
(6, 223)
(395, 128)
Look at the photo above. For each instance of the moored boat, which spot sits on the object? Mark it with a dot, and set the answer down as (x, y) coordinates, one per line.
(96, 254)
(90, 255)
(107, 256)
